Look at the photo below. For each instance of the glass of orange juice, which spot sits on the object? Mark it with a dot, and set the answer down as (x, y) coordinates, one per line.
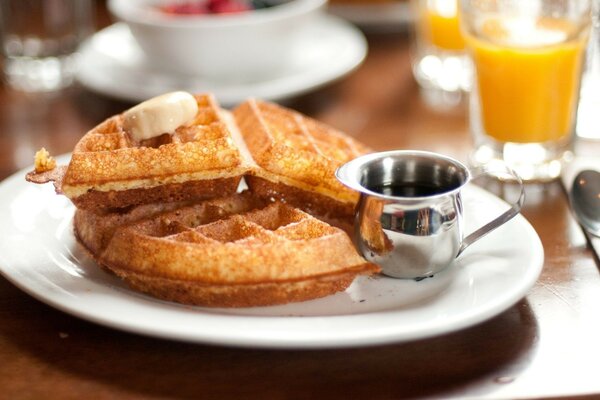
(527, 57)
(440, 64)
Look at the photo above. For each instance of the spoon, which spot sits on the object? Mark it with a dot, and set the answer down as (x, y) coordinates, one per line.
(585, 200)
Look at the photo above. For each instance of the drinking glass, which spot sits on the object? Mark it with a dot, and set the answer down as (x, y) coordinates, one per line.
(440, 64)
(588, 119)
(39, 40)
(528, 57)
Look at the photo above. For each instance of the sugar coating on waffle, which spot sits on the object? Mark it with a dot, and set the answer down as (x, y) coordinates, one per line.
(109, 170)
(297, 157)
(231, 252)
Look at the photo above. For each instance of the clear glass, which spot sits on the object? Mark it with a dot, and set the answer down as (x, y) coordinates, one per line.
(39, 40)
(440, 64)
(528, 57)
(588, 118)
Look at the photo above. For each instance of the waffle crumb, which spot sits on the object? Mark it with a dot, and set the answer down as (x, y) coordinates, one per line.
(43, 161)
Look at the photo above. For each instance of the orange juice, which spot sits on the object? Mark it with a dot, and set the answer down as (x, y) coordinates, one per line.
(528, 75)
(445, 29)
(439, 25)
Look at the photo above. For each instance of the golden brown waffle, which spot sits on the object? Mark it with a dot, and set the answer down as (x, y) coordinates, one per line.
(109, 170)
(232, 252)
(296, 158)
(372, 231)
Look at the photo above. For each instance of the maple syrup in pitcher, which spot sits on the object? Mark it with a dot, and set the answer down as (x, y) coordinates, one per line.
(410, 189)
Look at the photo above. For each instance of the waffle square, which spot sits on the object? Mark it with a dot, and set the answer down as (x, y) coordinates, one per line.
(296, 158)
(231, 252)
(109, 170)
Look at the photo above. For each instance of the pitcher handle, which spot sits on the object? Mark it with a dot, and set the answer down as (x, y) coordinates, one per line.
(502, 218)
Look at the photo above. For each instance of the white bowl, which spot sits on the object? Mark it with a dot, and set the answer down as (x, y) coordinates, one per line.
(244, 47)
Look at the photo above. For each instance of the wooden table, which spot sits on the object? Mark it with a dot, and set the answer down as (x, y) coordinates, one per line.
(546, 345)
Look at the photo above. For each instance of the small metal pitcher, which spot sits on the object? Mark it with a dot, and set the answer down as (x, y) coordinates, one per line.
(409, 219)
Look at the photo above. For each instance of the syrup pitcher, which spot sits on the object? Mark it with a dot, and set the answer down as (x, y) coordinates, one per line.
(409, 219)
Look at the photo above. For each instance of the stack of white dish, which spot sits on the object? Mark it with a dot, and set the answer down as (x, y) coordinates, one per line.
(271, 53)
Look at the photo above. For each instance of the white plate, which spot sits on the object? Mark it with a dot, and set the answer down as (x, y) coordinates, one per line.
(393, 16)
(113, 64)
(39, 254)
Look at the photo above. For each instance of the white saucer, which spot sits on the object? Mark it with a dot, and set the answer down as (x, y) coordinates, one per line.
(39, 254)
(113, 64)
(392, 16)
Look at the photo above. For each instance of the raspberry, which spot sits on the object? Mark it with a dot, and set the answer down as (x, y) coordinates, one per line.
(187, 8)
(227, 6)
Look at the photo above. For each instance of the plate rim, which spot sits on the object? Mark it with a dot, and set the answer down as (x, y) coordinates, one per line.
(375, 15)
(347, 340)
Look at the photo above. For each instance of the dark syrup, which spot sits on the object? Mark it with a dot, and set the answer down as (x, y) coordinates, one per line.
(411, 189)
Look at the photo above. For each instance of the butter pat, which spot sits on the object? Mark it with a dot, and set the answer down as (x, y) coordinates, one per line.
(159, 115)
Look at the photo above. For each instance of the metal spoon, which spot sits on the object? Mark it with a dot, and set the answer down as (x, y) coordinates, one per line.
(585, 200)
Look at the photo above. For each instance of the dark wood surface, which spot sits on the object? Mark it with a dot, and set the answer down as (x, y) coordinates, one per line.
(546, 345)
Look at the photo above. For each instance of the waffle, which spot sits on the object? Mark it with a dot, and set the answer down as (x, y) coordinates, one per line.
(372, 234)
(232, 252)
(296, 158)
(109, 170)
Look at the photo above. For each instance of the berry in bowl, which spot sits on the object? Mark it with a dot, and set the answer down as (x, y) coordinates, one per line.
(203, 7)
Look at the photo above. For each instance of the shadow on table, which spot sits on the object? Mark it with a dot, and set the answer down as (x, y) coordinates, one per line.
(84, 356)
